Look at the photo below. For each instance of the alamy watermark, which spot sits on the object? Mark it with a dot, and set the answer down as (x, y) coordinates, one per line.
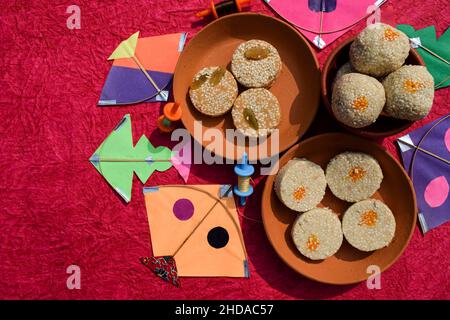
(374, 279)
(223, 147)
(374, 12)
(74, 280)
(74, 20)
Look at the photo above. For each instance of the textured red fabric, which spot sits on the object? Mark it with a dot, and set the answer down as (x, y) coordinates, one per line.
(56, 210)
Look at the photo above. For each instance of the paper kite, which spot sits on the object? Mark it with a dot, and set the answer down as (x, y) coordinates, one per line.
(142, 69)
(323, 21)
(435, 52)
(426, 158)
(116, 159)
(195, 232)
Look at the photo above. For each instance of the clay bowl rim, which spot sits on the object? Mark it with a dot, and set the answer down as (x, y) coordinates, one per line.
(313, 54)
(326, 95)
(267, 193)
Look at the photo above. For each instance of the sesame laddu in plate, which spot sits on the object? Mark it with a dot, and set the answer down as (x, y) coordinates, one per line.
(357, 100)
(369, 225)
(300, 185)
(379, 50)
(256, 112)
(213, 91)
(256, 64)
(353, 176)
(317, 233)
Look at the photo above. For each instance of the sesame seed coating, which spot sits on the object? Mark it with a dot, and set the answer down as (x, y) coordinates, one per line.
(409, 93)
(379, 50)
(369, 225)
(300, 184)
(214, 100)
(357, 99)
(344, 69)
(317, 233)
(265, 108)
(353, 176)
(256, 73)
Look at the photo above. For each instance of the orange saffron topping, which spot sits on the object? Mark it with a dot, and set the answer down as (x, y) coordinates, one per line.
(412, 86)
(356, 173)
(390, 35)
(313, 243)
(299, 193)
(360, 103)
(369, 218)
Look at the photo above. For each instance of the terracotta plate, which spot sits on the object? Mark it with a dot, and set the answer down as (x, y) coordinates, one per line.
(348, 265)
(297, 87)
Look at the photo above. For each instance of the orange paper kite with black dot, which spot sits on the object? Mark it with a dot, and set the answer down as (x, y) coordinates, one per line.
(195, 232)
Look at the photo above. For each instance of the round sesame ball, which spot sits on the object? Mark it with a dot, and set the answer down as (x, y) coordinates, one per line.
(353, 176)
(379, 50)
(256, 64)
(409, 93)
(369, 225)
(317, 233)
(213, 91)
(256, 112)
(357, 100)
(344, 69)
(300, 184)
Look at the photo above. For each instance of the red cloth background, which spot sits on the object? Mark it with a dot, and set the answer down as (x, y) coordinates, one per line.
(56, 210)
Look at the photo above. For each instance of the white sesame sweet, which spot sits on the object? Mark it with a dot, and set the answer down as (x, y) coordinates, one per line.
(300, 185)
(256, 73)
(344, 69)
(317, 234)
(353, 176)
(256, 112)
(379, 50)
(357, 100)
(369, 225)
(213, 99)
(409, 93)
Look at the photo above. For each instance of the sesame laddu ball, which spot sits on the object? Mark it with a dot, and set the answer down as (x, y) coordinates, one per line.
(256, 112)
(317, 234)
(300, 185)
(409, 93)
(369, 225)
(353, 176)
(213, 91)
(256, 64)
(344, 69)
(357, 100)
(379, 50)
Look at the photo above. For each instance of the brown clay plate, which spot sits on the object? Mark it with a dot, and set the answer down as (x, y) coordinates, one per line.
(348, 265)
(297, 87)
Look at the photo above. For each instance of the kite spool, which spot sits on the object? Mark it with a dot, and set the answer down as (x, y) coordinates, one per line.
(223, 8)
(171, 113)
(244, 171)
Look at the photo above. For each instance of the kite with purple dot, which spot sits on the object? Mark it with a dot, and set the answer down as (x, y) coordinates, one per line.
(195, 232)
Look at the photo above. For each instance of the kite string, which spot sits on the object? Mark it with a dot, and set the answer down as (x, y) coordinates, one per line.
(248, 218)
(243, 215)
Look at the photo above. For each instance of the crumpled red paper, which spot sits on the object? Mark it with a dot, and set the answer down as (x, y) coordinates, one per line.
(56, 210)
